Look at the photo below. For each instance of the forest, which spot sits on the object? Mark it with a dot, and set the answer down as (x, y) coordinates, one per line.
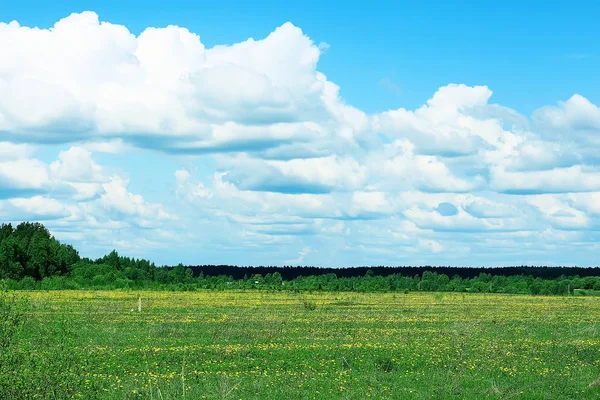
(31, 258)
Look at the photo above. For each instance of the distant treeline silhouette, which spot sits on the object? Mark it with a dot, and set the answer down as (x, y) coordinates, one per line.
(289, 272)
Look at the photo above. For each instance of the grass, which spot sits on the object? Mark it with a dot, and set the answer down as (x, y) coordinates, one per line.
(248, 345)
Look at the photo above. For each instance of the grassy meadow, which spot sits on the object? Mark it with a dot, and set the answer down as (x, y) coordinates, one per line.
(253, 344)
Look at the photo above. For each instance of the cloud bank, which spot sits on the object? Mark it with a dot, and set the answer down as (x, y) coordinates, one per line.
(268, 164)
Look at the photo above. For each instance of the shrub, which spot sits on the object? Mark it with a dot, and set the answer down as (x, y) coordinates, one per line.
(27, 283)
(309, 305)
(385, 364)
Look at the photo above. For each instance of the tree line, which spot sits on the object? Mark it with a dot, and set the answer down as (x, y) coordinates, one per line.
(31, 258)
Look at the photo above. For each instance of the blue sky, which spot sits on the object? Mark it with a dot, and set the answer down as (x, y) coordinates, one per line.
(399, 133)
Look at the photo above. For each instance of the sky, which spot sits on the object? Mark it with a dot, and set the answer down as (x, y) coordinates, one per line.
(305, 133)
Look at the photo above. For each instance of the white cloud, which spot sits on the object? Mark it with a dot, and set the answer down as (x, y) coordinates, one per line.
(23, 174)
(37, 207)
(331, 172)
(462, 221)
(557, 180)
(371, 201)
(484, 208)
(163, 89)
(74, 190)
(118, 199)
(444, 125)
(587, 202)
(558, 212)
(188, 187)
(301, 256)
(10, 151)
(430, 246)
(573, 117)
(426, 173)
(76, 165)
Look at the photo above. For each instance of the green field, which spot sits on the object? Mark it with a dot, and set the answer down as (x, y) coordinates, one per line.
(247, 345)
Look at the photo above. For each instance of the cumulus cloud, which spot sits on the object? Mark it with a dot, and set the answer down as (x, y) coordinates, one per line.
(10, 150)
(443, 126)
(575, 117)
(23, 174)
(558, 213)
(116, 198)
(36, 207)
(188, 187)
(557, 180)
(301, 256)
(430, 246)
(459, 222)
(484, 208)
(164, 89)
(74, 195)
(426, 173)
(372, 202)
(76, 165)
(587, 202)
(311, 175)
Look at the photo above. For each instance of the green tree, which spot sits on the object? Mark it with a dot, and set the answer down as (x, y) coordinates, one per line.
(5, 231)
(10, 268)
(113, 259)
(39, 260)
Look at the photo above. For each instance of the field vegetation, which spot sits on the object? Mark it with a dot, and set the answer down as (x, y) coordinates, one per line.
(273, 345)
